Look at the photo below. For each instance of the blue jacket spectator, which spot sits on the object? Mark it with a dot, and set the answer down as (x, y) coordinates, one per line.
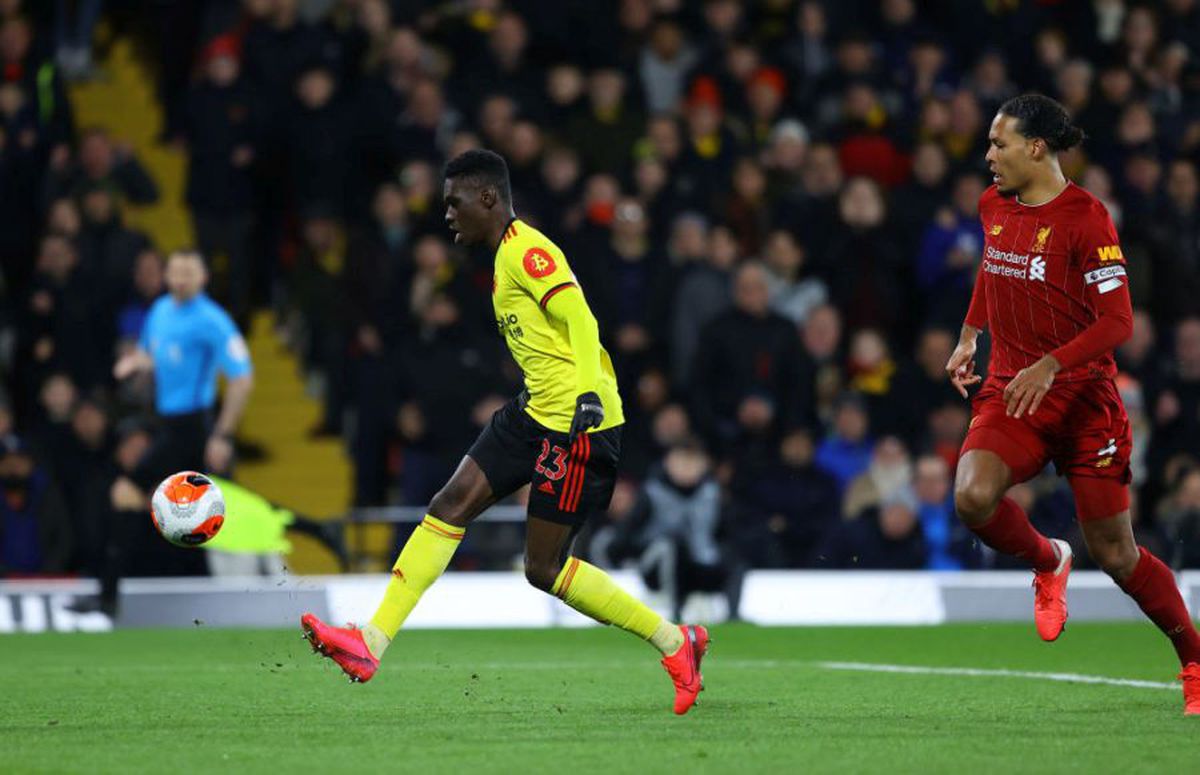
(846, 451)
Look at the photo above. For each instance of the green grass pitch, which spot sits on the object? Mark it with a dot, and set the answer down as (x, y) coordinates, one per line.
(592, 700)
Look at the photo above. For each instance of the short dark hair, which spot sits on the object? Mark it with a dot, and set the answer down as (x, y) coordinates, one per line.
(486, 167)
(1039, 116)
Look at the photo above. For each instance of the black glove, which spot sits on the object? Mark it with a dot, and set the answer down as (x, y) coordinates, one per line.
(589, 413)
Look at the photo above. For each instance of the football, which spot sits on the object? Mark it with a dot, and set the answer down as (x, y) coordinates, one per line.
(188, 508)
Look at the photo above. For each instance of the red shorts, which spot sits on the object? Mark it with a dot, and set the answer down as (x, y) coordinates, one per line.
(1080, 426)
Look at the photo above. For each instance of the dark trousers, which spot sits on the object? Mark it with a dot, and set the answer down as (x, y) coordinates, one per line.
(178, 446)
(224, 239)
(134, 546)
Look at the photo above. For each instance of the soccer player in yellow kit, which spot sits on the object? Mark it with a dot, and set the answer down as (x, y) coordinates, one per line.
(561, 435)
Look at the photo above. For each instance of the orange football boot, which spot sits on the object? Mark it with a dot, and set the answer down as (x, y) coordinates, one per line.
(344, 645)
(684, 667)
(1050, 594)
(1190, 675)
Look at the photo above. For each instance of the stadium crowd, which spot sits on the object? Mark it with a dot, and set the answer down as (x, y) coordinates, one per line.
(771, 207)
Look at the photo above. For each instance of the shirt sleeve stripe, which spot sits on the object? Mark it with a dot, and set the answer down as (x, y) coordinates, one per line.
(554, 290)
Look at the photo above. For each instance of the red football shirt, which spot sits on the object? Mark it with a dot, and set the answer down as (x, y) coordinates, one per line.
(1052, 280)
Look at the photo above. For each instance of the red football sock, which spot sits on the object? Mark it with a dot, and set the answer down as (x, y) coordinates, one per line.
(1010, 532)
(1152, 586)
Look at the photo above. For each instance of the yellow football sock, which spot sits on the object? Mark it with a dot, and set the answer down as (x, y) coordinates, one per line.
(592, 592)
(422, 560)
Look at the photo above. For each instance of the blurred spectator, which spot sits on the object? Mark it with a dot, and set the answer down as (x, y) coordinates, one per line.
(565, 85)
(863, 267)
(319, 281)
(557, 190)
(931, 389)
(989, 82)
(745, 208)
(1137, 355)
(673, 533)
(1180, 518)
(949, 255)
(887, 384)
(86, 460)
(1176, 231)
(25, 65)
(35, 531)
(317, 141)
(22, 148)
(884, 537)
(605, 130)
(915, 203)
(749, 376)
(107, 250)
(148, 285)
(846, 451)
(102, 164)
(809, 51)
(705, 260)
(221, 128)
(890, 469)
(446, 384)
(51, 436)
(73, 26)
(785, 508)
(866, 147)
(783, 161)
(821, 336)
(950, 544)
(278, 45)
(709, 149)
(60, 325)
(1175, 406)
(794, 294)
(946, 428)
(628, 283)
(664, 63)
(766, 95)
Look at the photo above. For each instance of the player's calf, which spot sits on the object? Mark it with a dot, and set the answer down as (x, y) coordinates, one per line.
(1118, 558)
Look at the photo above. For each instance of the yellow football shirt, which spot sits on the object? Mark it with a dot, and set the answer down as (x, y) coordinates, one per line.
(529, 271)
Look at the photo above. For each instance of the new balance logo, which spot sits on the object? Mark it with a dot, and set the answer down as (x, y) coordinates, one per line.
(1111, 449)
(1037, 269)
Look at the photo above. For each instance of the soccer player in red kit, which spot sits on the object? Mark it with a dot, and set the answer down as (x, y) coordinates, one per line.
(1053, 292)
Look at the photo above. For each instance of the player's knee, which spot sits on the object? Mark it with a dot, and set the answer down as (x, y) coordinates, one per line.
(542, 574)
(974, 501)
